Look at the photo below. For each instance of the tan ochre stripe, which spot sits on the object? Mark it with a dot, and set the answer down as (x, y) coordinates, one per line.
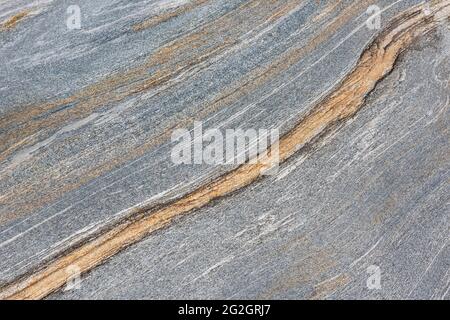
(166, 16)
(11, 22)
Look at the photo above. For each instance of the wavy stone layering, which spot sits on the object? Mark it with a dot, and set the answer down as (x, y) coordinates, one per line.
(87, 180)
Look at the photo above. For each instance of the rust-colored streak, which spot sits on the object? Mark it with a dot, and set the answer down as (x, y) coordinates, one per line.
(166, 16)
(323, 289)
(376, 61)
(14, 20)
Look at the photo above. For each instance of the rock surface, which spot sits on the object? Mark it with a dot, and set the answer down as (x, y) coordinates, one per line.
(86, 118)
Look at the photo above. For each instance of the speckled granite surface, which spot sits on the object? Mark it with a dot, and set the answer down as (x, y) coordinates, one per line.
(86, 117)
